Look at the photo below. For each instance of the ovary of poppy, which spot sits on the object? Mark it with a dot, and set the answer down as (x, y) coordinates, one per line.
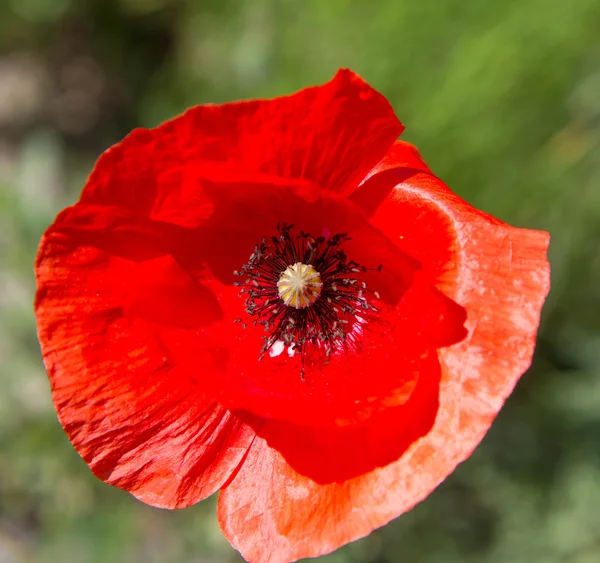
(364, 399)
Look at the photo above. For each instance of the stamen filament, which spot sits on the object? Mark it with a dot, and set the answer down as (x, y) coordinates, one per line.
(304, 291)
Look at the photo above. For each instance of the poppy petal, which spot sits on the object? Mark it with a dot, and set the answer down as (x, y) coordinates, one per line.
(138, 418)
(271, 514)
(500, 274)
(331, 135)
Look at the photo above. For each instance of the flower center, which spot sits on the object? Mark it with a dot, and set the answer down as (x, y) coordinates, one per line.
(305, 293)
(300, 285)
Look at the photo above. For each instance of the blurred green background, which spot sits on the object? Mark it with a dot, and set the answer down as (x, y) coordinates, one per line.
(503, 99)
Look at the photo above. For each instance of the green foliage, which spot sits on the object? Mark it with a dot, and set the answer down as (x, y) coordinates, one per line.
(502, 98)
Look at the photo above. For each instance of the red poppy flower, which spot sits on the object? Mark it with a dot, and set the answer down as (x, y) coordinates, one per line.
(279, 300)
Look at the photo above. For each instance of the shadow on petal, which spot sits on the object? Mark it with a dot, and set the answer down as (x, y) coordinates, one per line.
(328, 455)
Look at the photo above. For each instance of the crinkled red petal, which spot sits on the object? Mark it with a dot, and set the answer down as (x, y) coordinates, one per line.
(500, 274)
(134, 411)
(331, 135)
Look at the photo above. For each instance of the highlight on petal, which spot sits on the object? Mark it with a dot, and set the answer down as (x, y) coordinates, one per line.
(500, 274)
